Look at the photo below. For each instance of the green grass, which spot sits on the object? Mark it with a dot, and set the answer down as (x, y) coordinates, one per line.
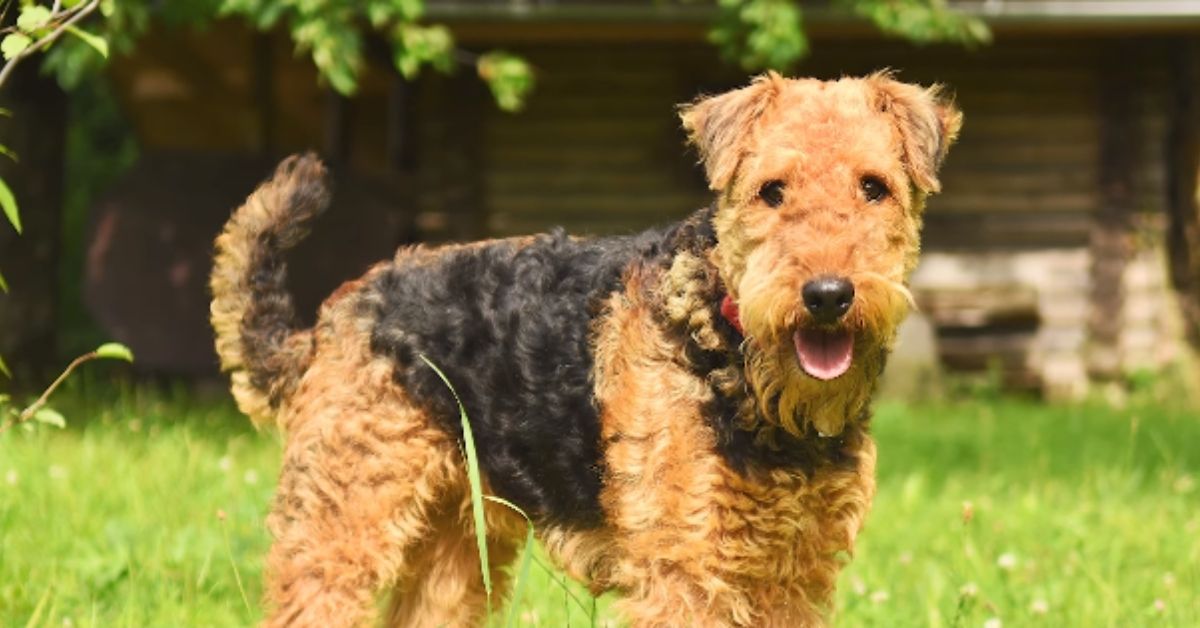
(1082, 516)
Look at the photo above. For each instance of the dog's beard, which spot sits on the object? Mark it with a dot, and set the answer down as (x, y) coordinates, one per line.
(798, 402)
(805, 377)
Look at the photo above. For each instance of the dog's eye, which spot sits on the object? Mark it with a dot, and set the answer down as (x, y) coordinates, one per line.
(772, 193)
(874, 189)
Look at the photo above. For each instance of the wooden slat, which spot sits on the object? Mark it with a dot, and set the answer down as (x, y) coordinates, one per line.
(1014, 231)
(1011, 307)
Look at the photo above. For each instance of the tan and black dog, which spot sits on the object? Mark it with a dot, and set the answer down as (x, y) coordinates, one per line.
(683, 412)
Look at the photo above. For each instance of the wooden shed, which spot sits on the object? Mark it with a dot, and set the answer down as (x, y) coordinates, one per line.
(1044, 257)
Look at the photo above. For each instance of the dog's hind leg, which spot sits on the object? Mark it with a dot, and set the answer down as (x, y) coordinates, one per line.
(445, 586)
(363, 474)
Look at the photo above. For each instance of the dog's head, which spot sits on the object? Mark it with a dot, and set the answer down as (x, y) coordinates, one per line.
(821, 188)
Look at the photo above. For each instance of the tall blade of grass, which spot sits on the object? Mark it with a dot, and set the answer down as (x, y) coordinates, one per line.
(36, 617)
(526, 554)
(562, 584)
(522, 579)
(474, 481)
(237, 575)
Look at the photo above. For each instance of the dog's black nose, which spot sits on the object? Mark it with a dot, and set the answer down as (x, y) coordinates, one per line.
(828, 298)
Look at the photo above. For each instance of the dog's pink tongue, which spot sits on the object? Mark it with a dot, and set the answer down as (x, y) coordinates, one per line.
(824, 354)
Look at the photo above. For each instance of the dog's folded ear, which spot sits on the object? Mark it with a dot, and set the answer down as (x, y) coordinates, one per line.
(719, 126)
(928, 122)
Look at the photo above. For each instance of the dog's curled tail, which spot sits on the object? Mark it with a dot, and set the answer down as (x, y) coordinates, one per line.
(252, 313)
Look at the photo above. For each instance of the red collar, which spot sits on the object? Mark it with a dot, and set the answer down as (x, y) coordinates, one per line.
(729, 310)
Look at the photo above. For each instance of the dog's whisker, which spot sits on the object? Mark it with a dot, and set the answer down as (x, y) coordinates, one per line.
(894, 286)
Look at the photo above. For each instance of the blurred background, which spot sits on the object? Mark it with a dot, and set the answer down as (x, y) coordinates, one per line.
(1063, 252)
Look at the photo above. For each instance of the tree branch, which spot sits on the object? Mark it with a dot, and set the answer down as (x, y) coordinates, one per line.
(80, 13)
(28, 412)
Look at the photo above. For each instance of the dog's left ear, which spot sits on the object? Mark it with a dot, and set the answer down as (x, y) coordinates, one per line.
(721, 126)
(928, 121)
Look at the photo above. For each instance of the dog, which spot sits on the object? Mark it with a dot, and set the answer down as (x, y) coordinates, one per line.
(683, 413)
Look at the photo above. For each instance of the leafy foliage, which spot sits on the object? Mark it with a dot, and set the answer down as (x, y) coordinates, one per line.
(331, 32)
(769, 34)
(36, 28)
(756, 34)
(921, 21)
(760, 34)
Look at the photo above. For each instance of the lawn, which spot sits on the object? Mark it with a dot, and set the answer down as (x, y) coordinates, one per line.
(148, 511)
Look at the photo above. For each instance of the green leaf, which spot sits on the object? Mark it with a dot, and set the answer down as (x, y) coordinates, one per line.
(410, 10)
(522, 579)
(4, 150)
(4, 368)
(14, 44)
(343, 80)
(71, 4)
(95, 41)
(508, 76)
(50, 416)
(33, 17)
(3, 284)
(379, 13)
(415, 45)
(114, 351)
(476, 484)
(5, 112)
(108, 7)
(408, 64)
(9, 204)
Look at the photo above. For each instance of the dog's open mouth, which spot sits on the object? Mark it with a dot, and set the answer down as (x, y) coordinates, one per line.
(824, 353)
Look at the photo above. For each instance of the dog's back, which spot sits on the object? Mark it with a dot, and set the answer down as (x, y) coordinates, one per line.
(509, 323)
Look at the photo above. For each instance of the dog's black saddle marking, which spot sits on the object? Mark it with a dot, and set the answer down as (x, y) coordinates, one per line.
(510, 324)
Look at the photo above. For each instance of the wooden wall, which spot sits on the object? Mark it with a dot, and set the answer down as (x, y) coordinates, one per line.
(1013, 271)
(598, 150)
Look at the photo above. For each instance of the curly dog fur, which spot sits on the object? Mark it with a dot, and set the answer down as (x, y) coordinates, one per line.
(683, 412)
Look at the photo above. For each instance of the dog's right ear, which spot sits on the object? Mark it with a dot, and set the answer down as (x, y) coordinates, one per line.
(928, 121)
(721, 126)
